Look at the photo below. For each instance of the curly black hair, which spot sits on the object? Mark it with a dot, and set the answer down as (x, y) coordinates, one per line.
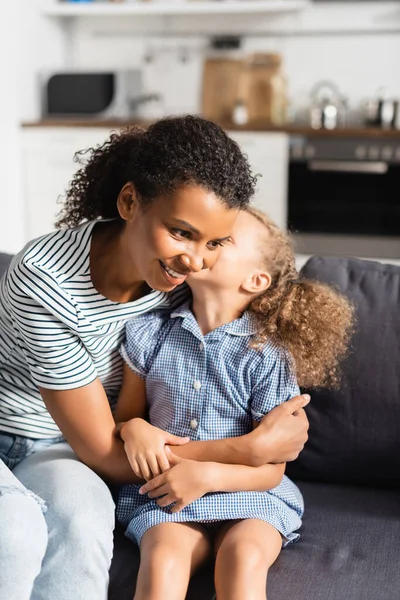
(172, 152)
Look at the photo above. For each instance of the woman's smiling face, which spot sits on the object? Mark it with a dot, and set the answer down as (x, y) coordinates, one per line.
(176, 235)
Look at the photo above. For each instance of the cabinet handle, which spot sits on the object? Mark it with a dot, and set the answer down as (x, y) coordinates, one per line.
(338, 166)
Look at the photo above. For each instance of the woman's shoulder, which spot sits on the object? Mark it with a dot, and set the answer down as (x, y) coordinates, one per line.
(56, 251)
(37, 273)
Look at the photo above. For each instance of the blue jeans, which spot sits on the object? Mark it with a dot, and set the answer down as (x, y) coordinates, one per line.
(56, 523)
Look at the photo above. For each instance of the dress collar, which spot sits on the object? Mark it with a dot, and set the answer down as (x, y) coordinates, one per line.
(246, 325)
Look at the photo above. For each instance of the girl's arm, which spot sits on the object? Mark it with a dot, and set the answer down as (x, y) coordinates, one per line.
(144, 444)
(131, 398)
(189, 480)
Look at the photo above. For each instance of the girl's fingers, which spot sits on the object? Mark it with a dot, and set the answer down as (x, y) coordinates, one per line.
(144, 467)
(136, 468)
(163, 462)
(154, 467)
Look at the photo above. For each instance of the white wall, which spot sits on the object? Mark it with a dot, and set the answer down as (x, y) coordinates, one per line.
(28, 43)
(11, 218)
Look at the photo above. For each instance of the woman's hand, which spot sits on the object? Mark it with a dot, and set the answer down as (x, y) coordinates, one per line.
(282, 433)
(145, 447)
(185, 482)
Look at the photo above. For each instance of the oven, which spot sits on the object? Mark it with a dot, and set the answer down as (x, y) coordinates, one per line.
(344, 196)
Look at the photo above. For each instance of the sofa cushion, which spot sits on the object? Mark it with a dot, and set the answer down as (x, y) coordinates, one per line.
(349, 548)
(354, 433)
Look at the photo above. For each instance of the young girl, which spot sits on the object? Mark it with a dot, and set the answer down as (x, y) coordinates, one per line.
(212, 369)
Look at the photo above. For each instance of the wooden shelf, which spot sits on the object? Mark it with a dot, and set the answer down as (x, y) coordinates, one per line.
(175, 8)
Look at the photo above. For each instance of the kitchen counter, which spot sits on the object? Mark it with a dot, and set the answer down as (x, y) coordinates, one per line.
(353, 132)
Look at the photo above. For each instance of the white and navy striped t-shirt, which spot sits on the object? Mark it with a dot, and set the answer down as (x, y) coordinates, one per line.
(56, 330)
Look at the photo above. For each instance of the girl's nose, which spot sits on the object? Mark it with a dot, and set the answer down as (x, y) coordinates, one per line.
(192, 262)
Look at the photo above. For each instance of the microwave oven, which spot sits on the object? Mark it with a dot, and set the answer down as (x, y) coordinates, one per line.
(101, 95)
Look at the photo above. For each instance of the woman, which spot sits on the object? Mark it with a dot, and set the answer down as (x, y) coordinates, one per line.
(155, 206)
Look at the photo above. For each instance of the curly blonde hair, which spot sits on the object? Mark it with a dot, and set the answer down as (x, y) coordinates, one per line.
(310, 319)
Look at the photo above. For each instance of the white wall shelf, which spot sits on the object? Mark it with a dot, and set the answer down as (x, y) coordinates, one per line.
(188, 7)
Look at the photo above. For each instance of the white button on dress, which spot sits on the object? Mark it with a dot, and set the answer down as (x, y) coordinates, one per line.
(197, 385)
(193, 423)
(201, 346)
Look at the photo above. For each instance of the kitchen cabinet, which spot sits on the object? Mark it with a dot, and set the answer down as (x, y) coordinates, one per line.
(268, 154)
(48, 167)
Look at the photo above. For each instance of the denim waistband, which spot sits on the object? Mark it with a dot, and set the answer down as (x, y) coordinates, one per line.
(14, 448)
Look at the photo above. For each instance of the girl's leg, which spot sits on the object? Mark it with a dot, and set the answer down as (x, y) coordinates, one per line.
(80, 522)
(245, 551)
(169, 554)
(23, 537)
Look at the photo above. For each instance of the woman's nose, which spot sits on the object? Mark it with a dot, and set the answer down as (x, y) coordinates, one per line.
(193, 262)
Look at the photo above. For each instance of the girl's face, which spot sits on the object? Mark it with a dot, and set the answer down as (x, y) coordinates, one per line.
(240, 259)
(176, 235)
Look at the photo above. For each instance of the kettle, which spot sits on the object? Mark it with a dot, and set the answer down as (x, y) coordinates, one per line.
(327, 105)
(381, 111)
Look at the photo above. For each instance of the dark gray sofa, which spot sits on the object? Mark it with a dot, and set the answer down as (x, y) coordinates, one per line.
(349, 472)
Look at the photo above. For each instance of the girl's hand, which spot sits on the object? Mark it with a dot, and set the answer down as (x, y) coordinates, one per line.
(145, 447)
(185, 482)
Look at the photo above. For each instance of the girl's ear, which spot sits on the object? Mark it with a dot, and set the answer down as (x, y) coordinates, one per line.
(257, 282)
(127, 202)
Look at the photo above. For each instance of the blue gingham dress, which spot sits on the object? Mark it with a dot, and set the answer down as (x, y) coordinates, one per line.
(208, 387)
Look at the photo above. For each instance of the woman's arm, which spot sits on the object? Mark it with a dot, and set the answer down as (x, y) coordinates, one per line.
(239, 478)
(85, 420)
(280, 437)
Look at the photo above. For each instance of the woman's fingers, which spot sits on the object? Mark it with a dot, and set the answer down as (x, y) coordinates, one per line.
(166, 500)
(160, 491)
(178, 506)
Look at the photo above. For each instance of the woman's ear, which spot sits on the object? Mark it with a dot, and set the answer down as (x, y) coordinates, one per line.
(127, 202)
(257, 282)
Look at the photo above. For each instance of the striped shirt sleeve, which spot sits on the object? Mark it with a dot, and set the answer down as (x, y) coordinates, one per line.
(46, 330)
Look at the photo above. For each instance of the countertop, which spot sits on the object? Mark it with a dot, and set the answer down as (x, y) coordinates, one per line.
(349, 132)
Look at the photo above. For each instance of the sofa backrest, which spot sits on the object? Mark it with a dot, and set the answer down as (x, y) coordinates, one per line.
(5, 260)
(354, 433)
